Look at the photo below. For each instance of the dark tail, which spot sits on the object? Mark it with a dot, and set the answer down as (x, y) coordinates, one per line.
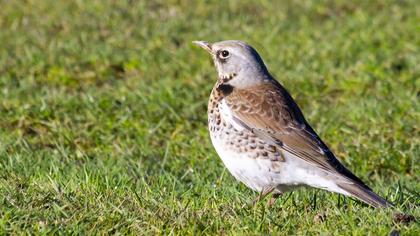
(365, 195)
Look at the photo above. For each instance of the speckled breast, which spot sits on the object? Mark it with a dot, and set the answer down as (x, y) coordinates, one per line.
(238, 141)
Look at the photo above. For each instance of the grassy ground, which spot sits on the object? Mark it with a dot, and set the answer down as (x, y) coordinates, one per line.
(103, 114)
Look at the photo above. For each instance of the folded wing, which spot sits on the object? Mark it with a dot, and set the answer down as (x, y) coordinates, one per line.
(268, 111)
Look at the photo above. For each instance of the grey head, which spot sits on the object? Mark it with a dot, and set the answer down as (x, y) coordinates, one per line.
(237, 63)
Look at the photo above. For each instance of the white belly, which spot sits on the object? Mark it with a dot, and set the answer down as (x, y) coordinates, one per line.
(248, 170)
(262, 173)
(258, 174)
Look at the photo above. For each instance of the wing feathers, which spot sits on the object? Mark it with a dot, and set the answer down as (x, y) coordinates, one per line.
(269, 112)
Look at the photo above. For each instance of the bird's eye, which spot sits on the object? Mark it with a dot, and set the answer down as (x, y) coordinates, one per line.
(224, 54)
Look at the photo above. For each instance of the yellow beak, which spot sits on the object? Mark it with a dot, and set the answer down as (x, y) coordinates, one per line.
(205, 45)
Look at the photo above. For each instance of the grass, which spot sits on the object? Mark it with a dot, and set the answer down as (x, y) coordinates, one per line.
(103, 114)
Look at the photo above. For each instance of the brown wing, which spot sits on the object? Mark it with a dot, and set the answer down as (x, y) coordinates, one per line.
(270, 112)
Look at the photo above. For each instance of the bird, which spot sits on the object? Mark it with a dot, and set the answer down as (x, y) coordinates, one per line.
(262, 136)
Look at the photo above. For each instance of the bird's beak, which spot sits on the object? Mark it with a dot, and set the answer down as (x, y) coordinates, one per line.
(205, 45)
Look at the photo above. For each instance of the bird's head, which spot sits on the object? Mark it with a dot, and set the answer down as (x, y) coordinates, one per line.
(237, 63)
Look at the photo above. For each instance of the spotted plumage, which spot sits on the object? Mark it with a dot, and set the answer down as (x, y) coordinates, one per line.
(261, 134)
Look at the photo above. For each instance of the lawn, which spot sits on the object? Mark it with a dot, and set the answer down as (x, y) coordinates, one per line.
(103, 122)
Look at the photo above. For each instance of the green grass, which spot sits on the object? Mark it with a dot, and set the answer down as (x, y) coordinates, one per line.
(103, 114)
